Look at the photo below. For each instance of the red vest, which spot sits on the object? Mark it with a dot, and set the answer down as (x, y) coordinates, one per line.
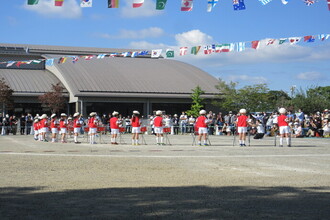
(200, 122)
(53, 124)
(113, 123)
(242, 121)
(281, 120)
(158, 121)
(91, 123)
(63, 124)
(75, 124)
(135, 122)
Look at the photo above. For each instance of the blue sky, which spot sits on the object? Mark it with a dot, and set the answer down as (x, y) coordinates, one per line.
(280, 66)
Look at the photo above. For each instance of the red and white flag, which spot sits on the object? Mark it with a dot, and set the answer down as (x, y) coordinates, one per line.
(186, 5)
(183, 51)
(294, 40)
(255, 44)
(270, 41)
(137, 3)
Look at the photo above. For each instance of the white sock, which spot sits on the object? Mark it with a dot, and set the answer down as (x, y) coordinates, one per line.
(157, 140)
(281, 141)
(75, 138)
(287, 141)
(204, 142)
(137, 141)
(91, 139)
(161, 140)
(133, 141)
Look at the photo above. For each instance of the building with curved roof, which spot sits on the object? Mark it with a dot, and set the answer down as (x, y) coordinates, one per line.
(103, 85)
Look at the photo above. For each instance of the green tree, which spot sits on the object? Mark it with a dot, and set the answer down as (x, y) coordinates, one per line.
(5, 95)
(278, 98)
(254, 98)
(228, 96)
(197, 101)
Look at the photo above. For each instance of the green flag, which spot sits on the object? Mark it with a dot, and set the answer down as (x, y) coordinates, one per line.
(282, 40)
(169, 53)
(160, 5)
(194, 50)
(33, 2)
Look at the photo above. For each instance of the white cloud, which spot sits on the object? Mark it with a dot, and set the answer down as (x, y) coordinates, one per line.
(246, 78)
(70, 9)
(148, 9)
(310, 76)
(193, 38)
(152, 32)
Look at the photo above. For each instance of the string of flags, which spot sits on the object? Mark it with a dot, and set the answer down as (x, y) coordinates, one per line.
(186, 5)
(170, 53)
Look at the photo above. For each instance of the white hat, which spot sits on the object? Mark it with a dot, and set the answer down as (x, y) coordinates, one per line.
(296, 123)
(159, 112)
(69, 118)
(202, 112)
(43, 116)
(326, 110)
(92, 114)
(115, 113)
(242, 111)
(136, 112)
(175, 115)
(282, 110)
(76, 114)
(53, 116)
(63, 115)
(35, 121)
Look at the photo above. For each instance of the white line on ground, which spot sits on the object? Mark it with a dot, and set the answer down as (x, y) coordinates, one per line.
(163, 156)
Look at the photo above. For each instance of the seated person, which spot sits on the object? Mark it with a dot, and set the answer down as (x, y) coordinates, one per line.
(260, 130)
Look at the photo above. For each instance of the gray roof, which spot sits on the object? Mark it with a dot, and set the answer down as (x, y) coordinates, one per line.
(119, 75)
(31, 82)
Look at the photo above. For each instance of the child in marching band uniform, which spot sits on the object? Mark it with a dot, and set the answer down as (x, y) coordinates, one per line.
(77, 122)
(63, 127)
(43, 127)
(242, 122)
(158, 127)
(136, 126)
(115, 122)
(54, 124)
(36, 128)
(201, 124)
(282, 121)
(92, 124)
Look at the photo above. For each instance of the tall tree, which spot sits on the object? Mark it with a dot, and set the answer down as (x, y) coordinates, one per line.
(197, 101)
(5, 95)
(228, 96)
(54, 99)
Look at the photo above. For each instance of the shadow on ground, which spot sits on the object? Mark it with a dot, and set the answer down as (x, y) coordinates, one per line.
(196, 202)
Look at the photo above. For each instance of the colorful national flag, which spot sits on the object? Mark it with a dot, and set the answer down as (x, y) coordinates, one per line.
(329, 5)
(113, 3)
(160, 4)
(59, 2)
(143, 53)
(309, 39)
(100, 56)
(169, 53)
(240, 46)
(282, 40)
(264, 2)
(186, 5)
(10, 63)
(62, 60)
(226, 47)
(86, 3)
(183, 51)
(255, 44)
(137, 3)
(309, 2)
(134, 54)
(238, 5)
(75, 59)
(33, 2)
(208, 49)
(156, 53)
(323, 37)
(36, 61)
(285, 2)
(294, 40)
(211, 4)
(50, 62)
(88, 57)
(270, 41)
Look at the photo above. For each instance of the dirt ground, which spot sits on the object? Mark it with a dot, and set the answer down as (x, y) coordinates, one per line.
(66, 181)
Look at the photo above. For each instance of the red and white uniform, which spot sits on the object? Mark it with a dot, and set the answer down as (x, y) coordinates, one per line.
(43, 125)
(36, 127)
(76, 125)
(201, 124)
(92, 124)
(158, 124)
(242, 124)
(136, 125)
(54, 126)
(63, 126)
(283, 124)
(114, 125)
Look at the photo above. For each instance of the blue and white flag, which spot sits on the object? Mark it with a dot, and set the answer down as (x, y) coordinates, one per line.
(100, 56)
(240, 46)
(239, 5)
(323, 37)
(285, 2)
(264, 2)
(134, 54)
(50, 62)
(86, 3)
(142, 53)
(211, 4)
